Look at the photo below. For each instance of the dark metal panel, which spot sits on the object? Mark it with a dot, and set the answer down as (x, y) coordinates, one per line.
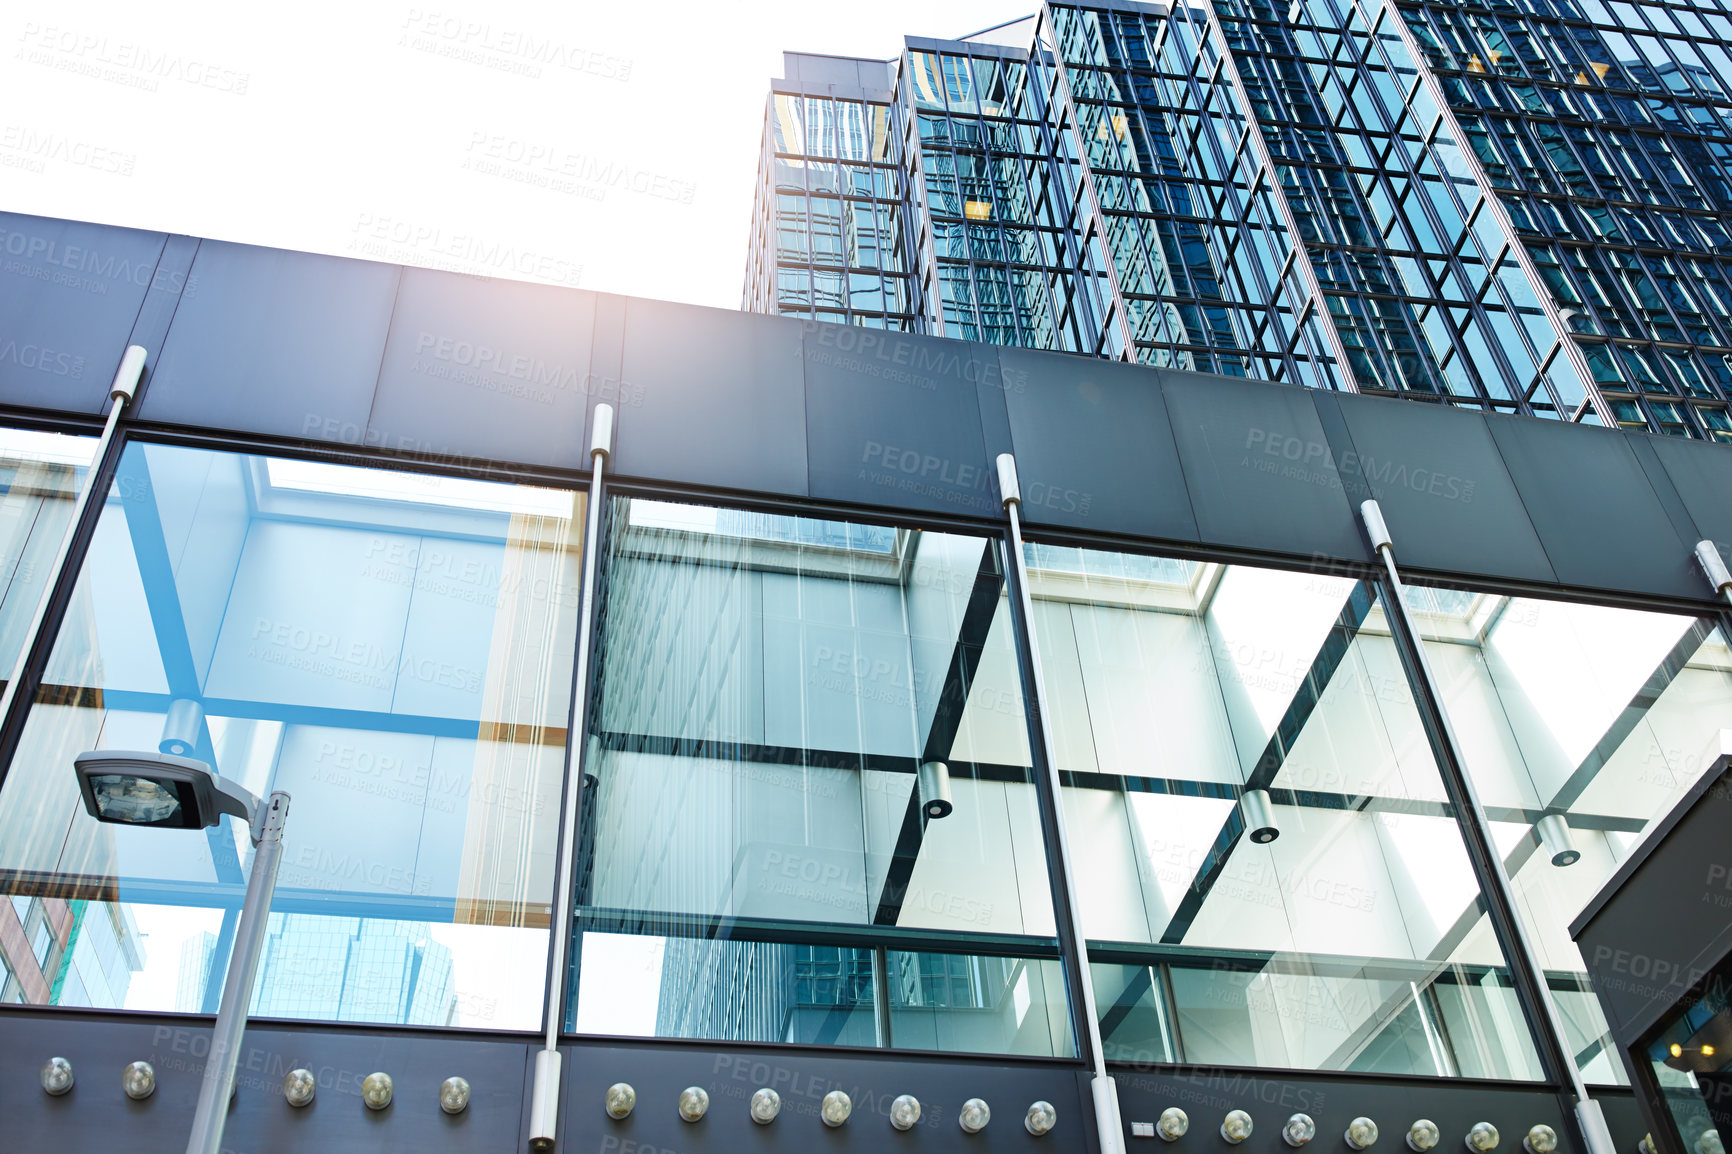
(89, 1118)
(1593, 508)
(1258, 467)
(1702, 475)
(1659, 925)
(150, 330)
(893, 419)
(69, 295)
(732, 1073)
(1442, 485)
(711, 397)
(497, 370)
(267, 341)
(1273, 1096)
(1094, 448)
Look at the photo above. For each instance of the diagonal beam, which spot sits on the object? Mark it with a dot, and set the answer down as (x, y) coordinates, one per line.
(1633, 714)
(965, 660)
(1439, 954)
(1306, 698)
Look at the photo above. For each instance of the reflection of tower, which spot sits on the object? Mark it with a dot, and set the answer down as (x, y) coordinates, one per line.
(514, 792)
(349, 969)
(729, 991)
(67, 953)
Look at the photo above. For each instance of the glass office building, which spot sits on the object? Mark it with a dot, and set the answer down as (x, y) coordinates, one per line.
(1517, 207)
(761, 749)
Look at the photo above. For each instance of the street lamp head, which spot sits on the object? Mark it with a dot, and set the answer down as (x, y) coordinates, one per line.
(160, 790)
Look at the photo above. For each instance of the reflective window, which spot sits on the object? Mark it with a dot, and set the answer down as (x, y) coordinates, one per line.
(1353, 940)
(757, 862)
(1603, 717)
(392, 649)
(40, 475)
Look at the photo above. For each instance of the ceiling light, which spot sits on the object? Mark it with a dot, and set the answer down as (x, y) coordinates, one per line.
(1482, 1138)
(1555, 836)
(57, 1076)
(454, 1095)
(1707, 1050)
(619, 1100)
(934, 780)
(1423, 1135)
(1236, 1126)
(905, 1111)
(299, 1087)
(974, 1115)
(1541, 1139)
(138, 1080)
(694, 1103)
(1040, 1119)
(1173, 1124)
(1259, 815)
(1299, 1130)
(377, 1090)
(766, 1104)
(835, 1108)
(1361, 1132)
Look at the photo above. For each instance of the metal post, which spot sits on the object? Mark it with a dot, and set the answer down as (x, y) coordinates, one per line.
(121, 392)
(1525, 970)
(231, 1022)
(544, 1100)
(1714, 568)
(1067, 913)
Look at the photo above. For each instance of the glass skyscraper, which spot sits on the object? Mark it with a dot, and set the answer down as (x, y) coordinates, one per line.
(1513, 206)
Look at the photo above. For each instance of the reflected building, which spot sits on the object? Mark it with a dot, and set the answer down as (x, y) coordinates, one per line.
(1516, 208)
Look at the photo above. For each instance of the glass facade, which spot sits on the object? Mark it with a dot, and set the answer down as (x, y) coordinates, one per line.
(777, 698)
(1513, 205)
(393, 650)
(1602, 716)
(757, 864)
(1347, 943)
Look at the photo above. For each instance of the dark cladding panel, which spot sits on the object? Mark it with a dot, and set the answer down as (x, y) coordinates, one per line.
(710, 397)
(1442, 486)
(1259, 468)
(893, 419)
(1593, 508)
(69, 294)
(1659, 925)
(1094, 449)
(267, 341)
(497, 370)
(1702, 475)
(801, 1077)
(260, 1121)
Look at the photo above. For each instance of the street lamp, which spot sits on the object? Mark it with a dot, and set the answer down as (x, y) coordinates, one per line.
(166, 791)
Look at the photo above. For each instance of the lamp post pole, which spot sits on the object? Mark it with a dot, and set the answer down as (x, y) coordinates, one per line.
(231, 1022)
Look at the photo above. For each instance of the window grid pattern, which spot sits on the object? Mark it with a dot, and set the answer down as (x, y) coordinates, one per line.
(1603, 127)
(828, 222)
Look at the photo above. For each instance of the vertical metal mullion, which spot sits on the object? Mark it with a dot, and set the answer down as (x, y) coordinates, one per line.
(56, 595)
(1073, 947)
(546, 1083)
(1526, 973)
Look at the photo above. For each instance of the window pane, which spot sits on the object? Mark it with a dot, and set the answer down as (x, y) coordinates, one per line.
(392, 649)
(1602, 716)
(768, 687)
(40, 475)
(1354, 940)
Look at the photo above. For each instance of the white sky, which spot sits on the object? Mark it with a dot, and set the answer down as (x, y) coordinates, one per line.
(398, 131)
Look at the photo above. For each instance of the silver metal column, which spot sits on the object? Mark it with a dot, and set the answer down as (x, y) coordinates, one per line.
(121, 392)
(1506, 918)
(231, 1023)
(1714, 568)
(1101, 1084)
(544, 1101)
